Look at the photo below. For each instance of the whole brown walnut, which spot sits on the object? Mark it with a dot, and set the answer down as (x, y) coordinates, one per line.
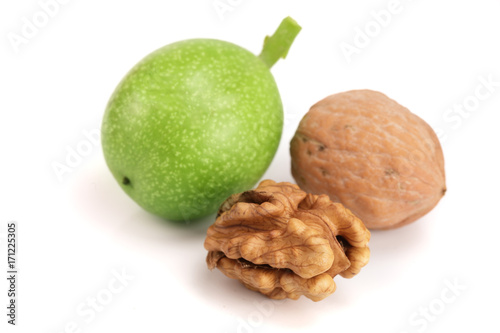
(283, 242)
(373, 155)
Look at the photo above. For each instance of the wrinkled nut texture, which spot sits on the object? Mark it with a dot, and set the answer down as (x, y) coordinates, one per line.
(373, 155)
(283, 242)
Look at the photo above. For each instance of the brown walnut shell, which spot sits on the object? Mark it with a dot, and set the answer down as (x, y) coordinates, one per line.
(285, 243)
(373, 155)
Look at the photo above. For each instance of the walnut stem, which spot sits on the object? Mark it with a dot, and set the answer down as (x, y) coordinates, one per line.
(277, 45)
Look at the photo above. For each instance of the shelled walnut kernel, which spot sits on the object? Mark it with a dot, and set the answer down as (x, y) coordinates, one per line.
(285, 243)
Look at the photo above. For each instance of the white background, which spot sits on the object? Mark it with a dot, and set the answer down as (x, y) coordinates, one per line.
(77, 233)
